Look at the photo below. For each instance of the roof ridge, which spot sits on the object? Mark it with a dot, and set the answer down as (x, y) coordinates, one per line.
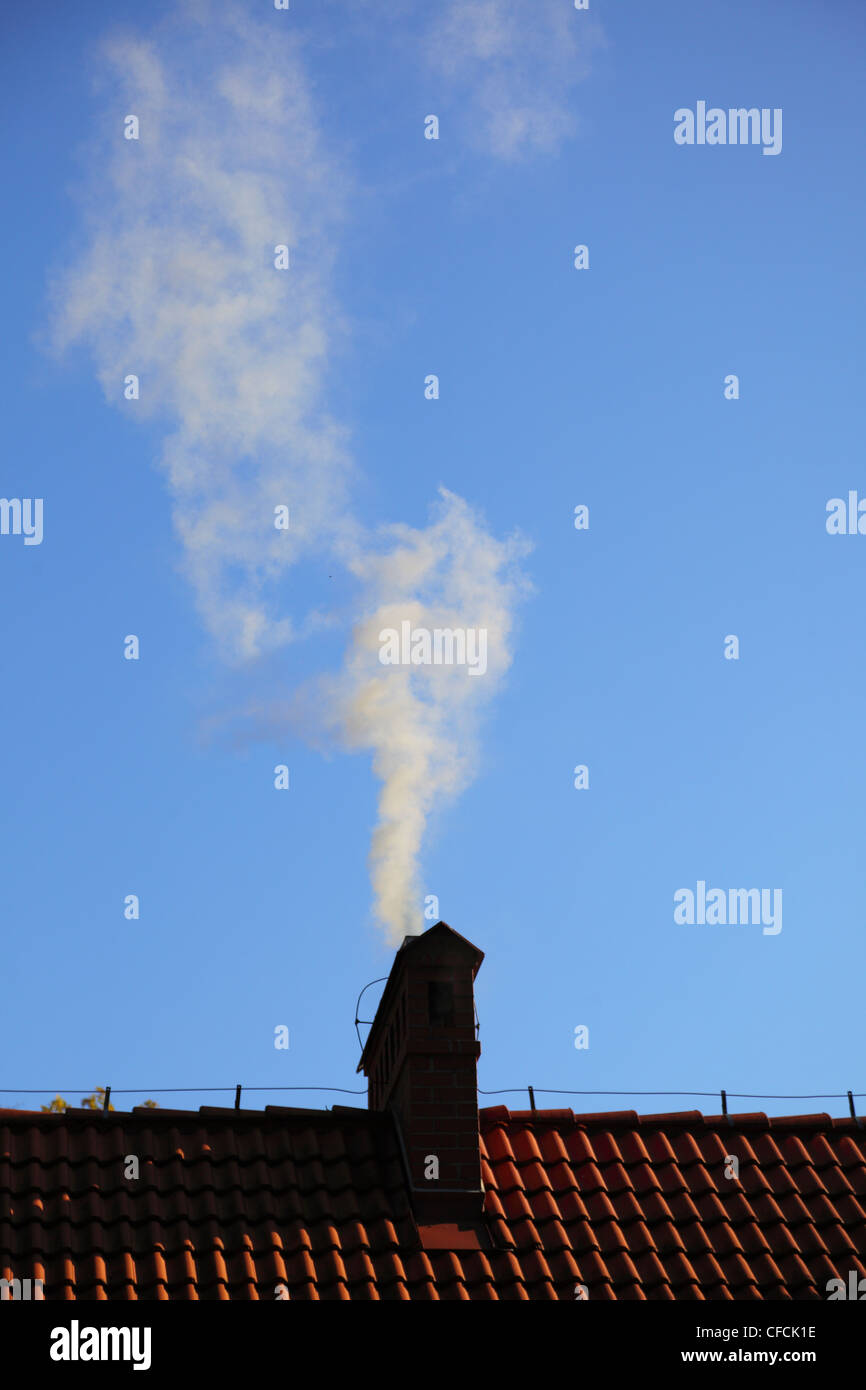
(157, 1115)
(630, 1119)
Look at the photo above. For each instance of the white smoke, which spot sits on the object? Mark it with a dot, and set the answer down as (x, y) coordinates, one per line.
(421, 721)
(177, 284)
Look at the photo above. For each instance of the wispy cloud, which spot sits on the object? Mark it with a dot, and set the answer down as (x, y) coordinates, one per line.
(512, 66)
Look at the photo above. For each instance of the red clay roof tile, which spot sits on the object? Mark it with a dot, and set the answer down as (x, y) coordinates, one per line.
(231, 1204)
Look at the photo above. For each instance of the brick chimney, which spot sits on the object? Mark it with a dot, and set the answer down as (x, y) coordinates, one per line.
(420, 1061)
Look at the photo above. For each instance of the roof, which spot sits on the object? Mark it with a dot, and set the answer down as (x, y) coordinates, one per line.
(230, 1204)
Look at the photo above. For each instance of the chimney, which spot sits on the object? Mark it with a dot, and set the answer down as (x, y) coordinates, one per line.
(420, 1061)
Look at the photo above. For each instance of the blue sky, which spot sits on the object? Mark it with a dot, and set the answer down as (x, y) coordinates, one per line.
(558, 387)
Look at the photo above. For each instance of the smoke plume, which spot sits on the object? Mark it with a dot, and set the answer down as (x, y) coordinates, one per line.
(177, 284)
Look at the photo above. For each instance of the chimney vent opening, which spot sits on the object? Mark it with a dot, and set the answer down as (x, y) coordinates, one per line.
(440, 1004)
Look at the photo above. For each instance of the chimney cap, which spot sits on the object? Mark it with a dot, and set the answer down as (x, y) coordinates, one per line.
(408, 944)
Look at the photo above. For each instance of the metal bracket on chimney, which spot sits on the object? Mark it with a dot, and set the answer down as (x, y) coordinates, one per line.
(358, 1005)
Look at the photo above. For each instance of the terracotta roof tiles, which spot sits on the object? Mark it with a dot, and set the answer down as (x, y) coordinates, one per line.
(233, 1204)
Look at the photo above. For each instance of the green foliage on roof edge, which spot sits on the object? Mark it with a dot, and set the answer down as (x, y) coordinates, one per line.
(94, 1102)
